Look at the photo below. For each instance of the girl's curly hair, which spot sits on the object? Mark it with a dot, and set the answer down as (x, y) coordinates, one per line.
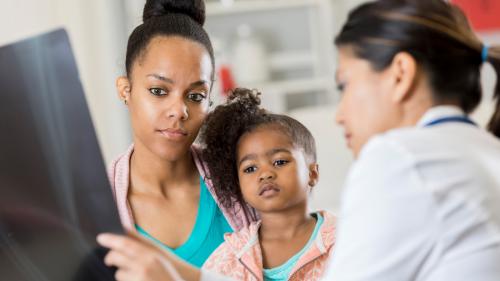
(224, 127)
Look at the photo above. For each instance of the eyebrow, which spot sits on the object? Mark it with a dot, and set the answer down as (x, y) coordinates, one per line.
(199, 83)
(162, 78)
(269, 153)
(168, 80)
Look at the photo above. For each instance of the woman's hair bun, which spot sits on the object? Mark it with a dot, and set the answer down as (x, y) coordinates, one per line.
(195, 9)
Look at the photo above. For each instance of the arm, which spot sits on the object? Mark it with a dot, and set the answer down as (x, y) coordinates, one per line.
(388, 220)
(139, 260)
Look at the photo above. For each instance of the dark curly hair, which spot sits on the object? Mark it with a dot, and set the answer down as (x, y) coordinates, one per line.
(223, 129)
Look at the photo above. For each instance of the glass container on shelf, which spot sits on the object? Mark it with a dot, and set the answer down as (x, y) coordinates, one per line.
(250, 58)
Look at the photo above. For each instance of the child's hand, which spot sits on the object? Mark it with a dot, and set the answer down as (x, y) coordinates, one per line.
(139, 260)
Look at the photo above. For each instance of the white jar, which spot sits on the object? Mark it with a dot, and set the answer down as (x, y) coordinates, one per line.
(250, 59)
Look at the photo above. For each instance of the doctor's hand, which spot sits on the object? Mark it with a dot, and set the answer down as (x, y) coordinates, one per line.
(139, 260)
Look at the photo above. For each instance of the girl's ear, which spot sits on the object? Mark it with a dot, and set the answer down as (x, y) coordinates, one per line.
(123, 88)
(313, 174)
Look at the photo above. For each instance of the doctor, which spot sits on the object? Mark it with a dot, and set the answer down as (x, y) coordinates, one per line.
(422, 200)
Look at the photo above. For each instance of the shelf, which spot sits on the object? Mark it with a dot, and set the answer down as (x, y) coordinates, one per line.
(296, 86)
(291, 60)
(245, 6)
(275, 94)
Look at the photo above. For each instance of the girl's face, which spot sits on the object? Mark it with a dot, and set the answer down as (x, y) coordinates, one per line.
(168, 95)
(367, 105)
(273, 174)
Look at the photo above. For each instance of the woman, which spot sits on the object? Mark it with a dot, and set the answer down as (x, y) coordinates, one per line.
(160, 183)
(425, 185)
(421, 201)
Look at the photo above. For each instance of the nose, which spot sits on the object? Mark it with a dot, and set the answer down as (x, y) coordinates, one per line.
(339, 119)
(339, 114)
(178, 109)
(266, 175)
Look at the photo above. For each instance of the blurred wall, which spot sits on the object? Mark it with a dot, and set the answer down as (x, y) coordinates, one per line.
(97, 32)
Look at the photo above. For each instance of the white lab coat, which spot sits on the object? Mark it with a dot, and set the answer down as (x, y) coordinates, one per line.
(423, 204)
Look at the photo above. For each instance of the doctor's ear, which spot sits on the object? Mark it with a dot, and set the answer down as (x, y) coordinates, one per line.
(404, 72)
(123, 88)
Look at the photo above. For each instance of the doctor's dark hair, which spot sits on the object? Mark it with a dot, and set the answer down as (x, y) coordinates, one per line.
(223, 128)
(437, 35)
(183, 18)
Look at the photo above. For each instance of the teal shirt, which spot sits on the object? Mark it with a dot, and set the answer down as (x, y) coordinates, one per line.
(282, 272)
(207, 234)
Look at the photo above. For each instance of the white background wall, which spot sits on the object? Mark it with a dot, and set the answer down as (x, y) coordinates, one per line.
(98, 37)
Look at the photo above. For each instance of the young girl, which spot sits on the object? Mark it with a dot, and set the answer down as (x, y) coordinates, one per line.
(269, 161)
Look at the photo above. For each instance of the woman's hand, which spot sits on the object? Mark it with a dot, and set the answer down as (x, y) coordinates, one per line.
(139, 260)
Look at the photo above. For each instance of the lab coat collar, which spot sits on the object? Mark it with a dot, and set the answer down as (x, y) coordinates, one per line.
(439, 112)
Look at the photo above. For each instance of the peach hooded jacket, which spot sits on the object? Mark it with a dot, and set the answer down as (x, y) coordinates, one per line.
(240, 256)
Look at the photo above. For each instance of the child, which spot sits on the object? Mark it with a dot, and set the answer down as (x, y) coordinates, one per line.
(269, 161)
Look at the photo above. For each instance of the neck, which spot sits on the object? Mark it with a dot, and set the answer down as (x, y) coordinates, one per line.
(153, 175)
(413, 110)
(285, 225)
(419, 103)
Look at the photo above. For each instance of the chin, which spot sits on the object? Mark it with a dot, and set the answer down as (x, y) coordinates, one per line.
(271, 208)
(172, 153)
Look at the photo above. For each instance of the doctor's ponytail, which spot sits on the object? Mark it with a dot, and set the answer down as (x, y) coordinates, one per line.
(493, 57)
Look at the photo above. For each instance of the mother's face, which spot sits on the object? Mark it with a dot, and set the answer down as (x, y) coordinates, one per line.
(367, 105)
(168, 95)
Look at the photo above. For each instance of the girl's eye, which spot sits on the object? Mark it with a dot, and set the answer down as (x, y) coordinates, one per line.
(250, 169)
(280, 162)
(196, 97)
(157, 92)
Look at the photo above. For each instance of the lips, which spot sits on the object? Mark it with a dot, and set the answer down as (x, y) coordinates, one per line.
(347, 137)
(174, 134)
(268, 190)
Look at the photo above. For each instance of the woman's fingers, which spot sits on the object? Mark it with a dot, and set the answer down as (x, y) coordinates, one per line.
(137, 259)
(118, 259)
(124, 275)
(127, 245)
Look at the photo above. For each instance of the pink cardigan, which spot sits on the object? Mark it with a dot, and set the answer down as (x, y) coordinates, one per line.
(119, 174)
(240, 256)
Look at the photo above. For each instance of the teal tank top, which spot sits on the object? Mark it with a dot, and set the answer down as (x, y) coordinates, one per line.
(207, 234)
